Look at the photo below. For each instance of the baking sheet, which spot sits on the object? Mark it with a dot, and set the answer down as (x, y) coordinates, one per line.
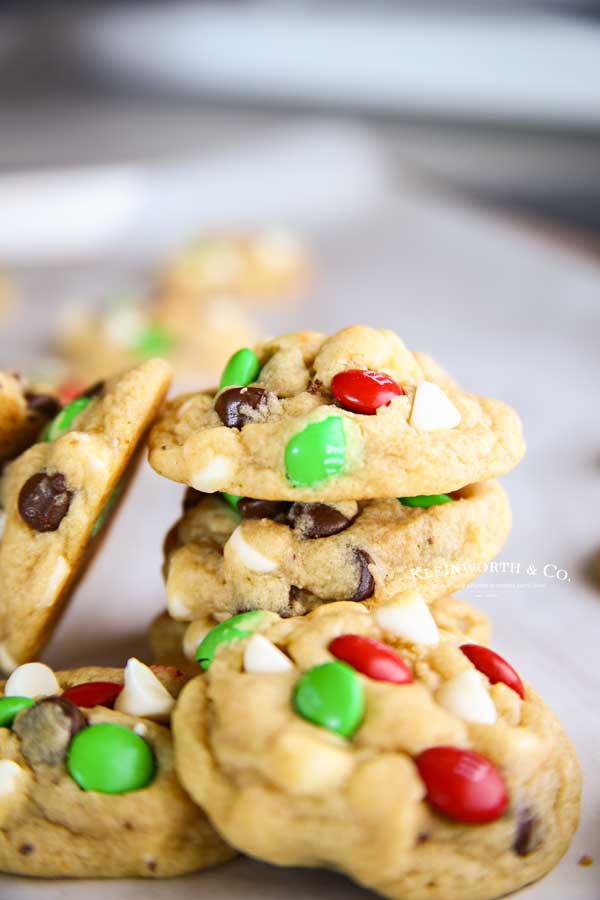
(511, 314)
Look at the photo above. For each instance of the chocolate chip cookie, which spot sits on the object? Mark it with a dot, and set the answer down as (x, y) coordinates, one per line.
(87, 783)
(24, 412)
(57, 496)
(229, 554)
(417, 764)
(351, 417)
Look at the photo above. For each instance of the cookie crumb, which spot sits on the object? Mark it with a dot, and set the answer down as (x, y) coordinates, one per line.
(585, 861)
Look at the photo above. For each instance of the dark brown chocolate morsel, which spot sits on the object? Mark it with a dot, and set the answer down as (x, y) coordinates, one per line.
(47, 729)
(44, 501)
(262, 509)
(94, 390)
(26, 849)
(524, 838)
(238, 406)
(366, 582)
(192, 498)
(316, 520)
(44, 405)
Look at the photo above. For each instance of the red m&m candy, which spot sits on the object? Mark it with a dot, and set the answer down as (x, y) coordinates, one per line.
(494, 666)
(462, 784)
(364, 391)
(371, 658)
(93, 693)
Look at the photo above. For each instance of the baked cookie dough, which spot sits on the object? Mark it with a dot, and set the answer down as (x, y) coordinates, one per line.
(359, 741)
(175, 643)
(24, 412)
(88, 790)
(350, 417)
(95, 346)
(290, 558)
(263, 265)
(57, 496)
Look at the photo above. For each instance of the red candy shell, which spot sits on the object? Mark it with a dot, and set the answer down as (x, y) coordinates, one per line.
(371, 658)
(363, 391)
(494, 666)
(94, 693)
(462, 784)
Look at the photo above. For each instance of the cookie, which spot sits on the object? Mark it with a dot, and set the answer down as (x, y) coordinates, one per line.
(175, 642)
(351, 417)
(289, 558)
(96, 345)
(24, 413)
(263, 265)
(57, 496)
(88, 790)
(342, 739)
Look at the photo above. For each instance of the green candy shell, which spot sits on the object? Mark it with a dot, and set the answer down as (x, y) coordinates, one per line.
(153, 341)
(232, 499)
(241, 369)
(331, 695)
(110, 759)
(234, 629)
(10, 706)
(316, 453)
(426, 500)
(61, 423)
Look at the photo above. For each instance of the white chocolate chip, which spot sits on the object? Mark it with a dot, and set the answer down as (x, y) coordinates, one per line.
(247, 555)
(32, 680)
(12, 775)
(143, 694)
(467, 697)
(408, 618)
(177, 607)
(261, 655)
(194, 634)
(432, 409)
(55, 582)
(212, 477)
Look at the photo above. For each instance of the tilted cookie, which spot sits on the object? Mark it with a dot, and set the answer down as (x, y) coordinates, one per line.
(24, 412)
(57, 496)
(421, 768)
(225, 556)
(88, 790)
(350, 417)
(263, 265)
(175, 642)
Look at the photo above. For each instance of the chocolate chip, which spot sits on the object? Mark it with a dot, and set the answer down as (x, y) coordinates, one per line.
(366, 582)
(26, 849)
(47, 729)
(315, 386)
(524, 840)
(192, 498)
(44, 405)
(94, 390)
(238, 406)
(44, 501)
(316, 520)
(262, 509)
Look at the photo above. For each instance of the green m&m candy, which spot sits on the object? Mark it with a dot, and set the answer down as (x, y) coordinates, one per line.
(110, 759)
(241, 370)
(153, 341)
(317, 452)
(234, 629)
(331, 695)
(61, 423)
(426, 500)
(10, 706)
(232, 499)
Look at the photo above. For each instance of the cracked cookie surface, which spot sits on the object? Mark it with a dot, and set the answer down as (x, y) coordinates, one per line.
(57, 496)
(443, 786)
(289, 558)
(52, 827)
(283, 428)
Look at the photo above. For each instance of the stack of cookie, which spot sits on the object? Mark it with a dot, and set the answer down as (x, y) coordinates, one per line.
(345, 710)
